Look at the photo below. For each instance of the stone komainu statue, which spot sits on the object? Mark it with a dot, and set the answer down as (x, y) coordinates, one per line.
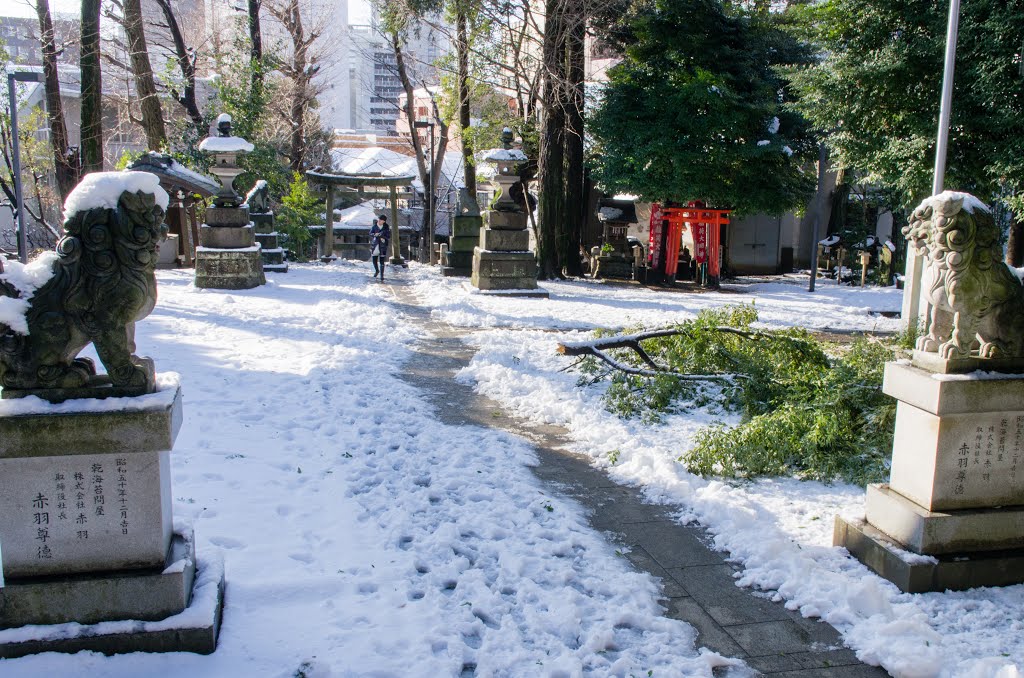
(975, 301)
(102, 282)
(258, 198)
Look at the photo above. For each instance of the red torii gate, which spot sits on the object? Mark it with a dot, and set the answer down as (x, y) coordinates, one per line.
(666, 235)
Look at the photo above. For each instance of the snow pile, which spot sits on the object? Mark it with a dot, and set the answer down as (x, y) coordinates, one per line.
(225, 145)
(103, 189)
(971, 203)
(26, 279)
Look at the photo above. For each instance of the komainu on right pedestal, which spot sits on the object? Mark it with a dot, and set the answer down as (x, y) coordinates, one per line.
(952, 514)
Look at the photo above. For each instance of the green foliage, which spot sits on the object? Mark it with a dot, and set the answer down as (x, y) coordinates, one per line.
(803, 411)
(690, 112)
(300, 209)
(877, 89)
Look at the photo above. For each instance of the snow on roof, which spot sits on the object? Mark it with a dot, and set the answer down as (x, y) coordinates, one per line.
(390, 163)
(103, 189)
(225, 145)
(357, 215)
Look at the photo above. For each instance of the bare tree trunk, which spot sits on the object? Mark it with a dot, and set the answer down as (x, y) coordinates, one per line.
(299, 100)
(145, 87)
(92, 89)
(462, 85)
(65, 166)
(187, 63)
(409, 106)
(551, 164)
(571, 237)
(255, 51)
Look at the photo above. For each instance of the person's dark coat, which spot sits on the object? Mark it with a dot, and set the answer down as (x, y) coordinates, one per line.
(380, 236)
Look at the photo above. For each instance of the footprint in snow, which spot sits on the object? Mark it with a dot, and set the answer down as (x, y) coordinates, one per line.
(227, 542)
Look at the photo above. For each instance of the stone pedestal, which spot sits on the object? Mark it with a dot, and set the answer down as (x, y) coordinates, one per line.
(85, 523)
(952, 514)
(270, 248)
(464, 237)
(502, 260)
(239, 269)
(228, 256)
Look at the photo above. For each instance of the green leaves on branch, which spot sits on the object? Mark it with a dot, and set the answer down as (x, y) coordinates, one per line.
(877, 90)
(300, 209)
(808, 409)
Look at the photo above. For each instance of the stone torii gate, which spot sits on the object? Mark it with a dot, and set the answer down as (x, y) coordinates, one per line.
(362, 187)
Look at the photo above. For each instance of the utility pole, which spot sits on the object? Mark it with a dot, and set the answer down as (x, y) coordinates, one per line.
(19, 76)
(915, 267)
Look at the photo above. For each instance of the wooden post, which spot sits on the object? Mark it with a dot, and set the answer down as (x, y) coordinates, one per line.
(396, 239)
(328, 254)
(865, 257)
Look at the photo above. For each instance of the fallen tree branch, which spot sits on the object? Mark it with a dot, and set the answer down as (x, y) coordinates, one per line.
(597, 348)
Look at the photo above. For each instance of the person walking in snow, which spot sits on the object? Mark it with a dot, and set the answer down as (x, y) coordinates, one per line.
(380, 236)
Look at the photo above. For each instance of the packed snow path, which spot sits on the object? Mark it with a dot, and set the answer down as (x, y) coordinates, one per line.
(698, 585)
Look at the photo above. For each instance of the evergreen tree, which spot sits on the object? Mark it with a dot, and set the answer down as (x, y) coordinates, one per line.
(877, 89)
(695, 110)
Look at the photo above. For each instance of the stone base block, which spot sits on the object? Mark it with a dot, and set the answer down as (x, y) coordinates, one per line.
(937, 533)
(959, 440)
(507, 221)
(275, 268)
(914, 573)
(452, 272)
(87, 491)
(499, 291)
(490, 264)
(227, 216)
(463, 243)
(466, 226)
(273, 255)
(263, 221)
(147, 595)
(460, 260)
(226, 237)
(934, 363)
(615, 267)
(229, 269)
(504, 241)
(195, 629)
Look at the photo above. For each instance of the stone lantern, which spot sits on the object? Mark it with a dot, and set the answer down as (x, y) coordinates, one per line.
(228, 256)
(503, 262)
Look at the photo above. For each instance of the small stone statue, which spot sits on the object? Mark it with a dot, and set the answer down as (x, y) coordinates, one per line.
(468, 206)
(224, 125)
(975, 303)
(258, 198)
(102, 281)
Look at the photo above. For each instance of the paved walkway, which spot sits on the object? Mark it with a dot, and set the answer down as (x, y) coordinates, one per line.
(698, 584)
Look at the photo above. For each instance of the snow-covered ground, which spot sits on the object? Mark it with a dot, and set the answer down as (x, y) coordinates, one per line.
(362, 538)
(781, 529)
